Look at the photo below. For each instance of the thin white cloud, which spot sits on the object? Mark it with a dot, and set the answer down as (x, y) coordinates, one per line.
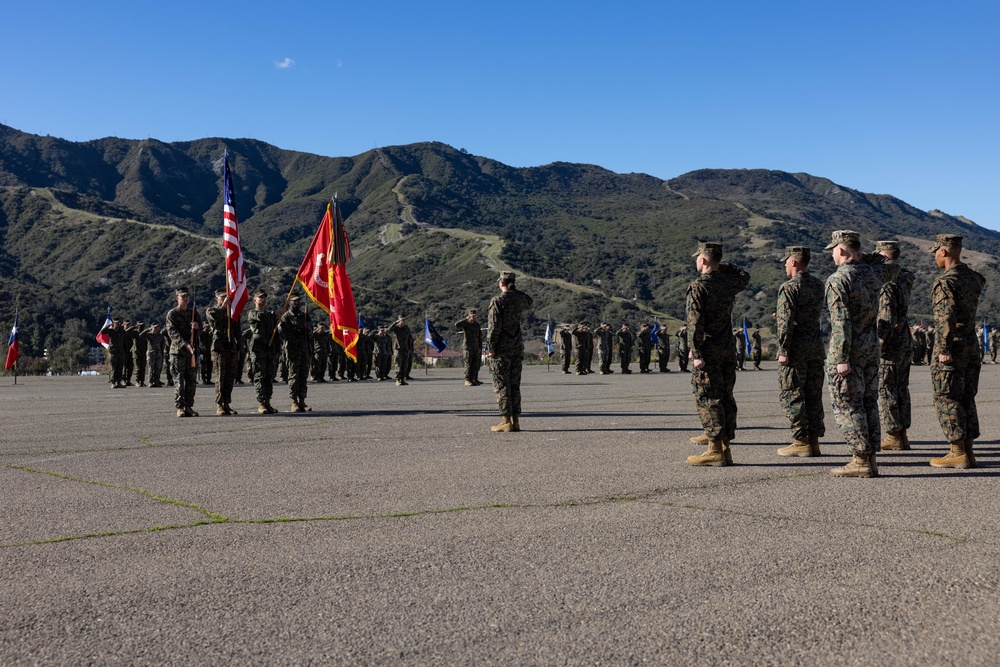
(340, 63)
(284, 64)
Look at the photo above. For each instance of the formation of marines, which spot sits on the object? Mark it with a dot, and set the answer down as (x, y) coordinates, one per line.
(865, 363)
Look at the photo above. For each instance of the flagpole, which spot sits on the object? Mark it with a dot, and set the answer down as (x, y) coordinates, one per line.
(427, 349)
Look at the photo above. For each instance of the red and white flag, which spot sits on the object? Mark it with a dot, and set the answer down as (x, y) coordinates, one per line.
(103, 338)
(236, 275)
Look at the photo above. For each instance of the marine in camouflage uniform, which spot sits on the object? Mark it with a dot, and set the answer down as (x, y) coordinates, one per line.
(321, 343)
(263, 326)
(402, 341)
(994, 343)
(757, 351)
(566, 344)
(506, 348)
(663, 350)
(800, 353)
(604, 342)
(956, 362)
(472, 348)
(853, 352)
(581, 333)
(645, 345)
(295, 330)
(625, 341)
(154, 353)
(225, 334)
(140, 348)
(683, 348)
(709, 306)
(741, 349)
(183, 324)
(896, 352)
(116, 352)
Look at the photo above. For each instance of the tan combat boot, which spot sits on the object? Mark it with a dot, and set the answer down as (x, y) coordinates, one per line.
(814, 445)
(295, 407)
(188, 412)
(505, 425)
(892, 442)
(968, 453)
(305, 408)
(797, 448)
(514, 425)
(859, 466)
(220, 409)
(905, 438)
(270, 408)
(955, 458)
(262, 409)
(701, 440)
(181, 412)
(727, 452)
(230, 409)
(714, 456)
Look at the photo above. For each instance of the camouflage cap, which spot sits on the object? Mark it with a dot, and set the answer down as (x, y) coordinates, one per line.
(472, 311)
(221, 292)
(843, 236)
(294, 298)
(182, 291)
(797, 251)
(507, 276)
(882, 246)
(259, 293)
(708, 248)
(946, 241)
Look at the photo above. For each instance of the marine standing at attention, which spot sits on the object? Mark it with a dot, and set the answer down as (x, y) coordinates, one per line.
(472, 347)
(956, 363)
(402, 339)
(852, 356)
(183, 325)
(683, 348)
(800, 353)
(506, 348)
(225, 351)
(896, 354)
(645, 344)
(566, 345)
(625, 340)
(296, 333)
(263, 328)
(709, 308)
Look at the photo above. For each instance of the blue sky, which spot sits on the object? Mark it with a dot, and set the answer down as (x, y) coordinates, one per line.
(898, 98)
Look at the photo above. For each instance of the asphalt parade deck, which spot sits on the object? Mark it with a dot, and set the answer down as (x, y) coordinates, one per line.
(389, 526)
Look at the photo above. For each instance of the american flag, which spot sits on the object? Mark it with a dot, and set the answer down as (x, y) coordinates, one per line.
(236, 275)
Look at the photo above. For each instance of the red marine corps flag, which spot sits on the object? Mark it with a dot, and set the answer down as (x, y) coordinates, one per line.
(343, 314)
(236, 275)
(323, 276)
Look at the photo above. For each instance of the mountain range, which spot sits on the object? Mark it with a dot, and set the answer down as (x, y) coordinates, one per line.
(119, 223)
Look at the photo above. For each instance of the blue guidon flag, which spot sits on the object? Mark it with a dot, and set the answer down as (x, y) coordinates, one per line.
(654, 334)
(549, 333)
(432, 337)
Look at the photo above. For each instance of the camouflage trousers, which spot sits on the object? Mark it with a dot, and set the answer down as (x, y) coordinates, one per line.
(154, 362)
(801, 396)
(404, 361)
(263, 375)
(567, 360)
(712, 387)
(473, 362)
(894, 395)
(644, 358)
(604, 360)
(507, 382)
(298, 373)
(139, 363)
(955, 388)
(682, 359)
(226, 365)
(185, 380)
(855, 406)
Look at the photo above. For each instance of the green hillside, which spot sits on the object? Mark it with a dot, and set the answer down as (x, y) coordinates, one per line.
(119, 223)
